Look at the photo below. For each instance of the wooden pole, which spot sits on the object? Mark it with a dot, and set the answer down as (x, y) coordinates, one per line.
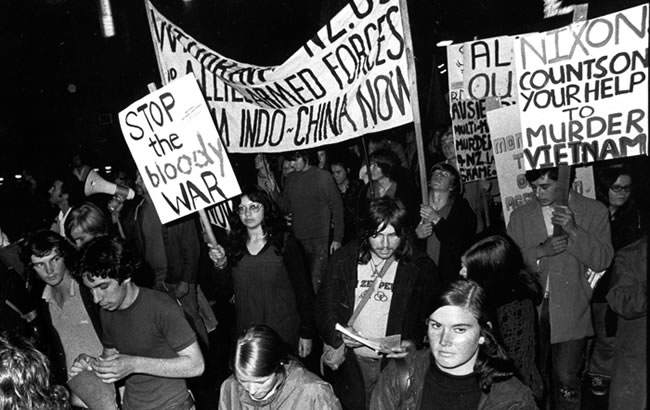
(205, 222)
(415, 101)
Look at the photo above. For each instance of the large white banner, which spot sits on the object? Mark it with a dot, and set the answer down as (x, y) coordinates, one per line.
(350, 79)
(583, 90)
(488, 70)
(177, 149)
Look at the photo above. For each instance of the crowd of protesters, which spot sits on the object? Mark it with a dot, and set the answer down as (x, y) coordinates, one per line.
(335, 287)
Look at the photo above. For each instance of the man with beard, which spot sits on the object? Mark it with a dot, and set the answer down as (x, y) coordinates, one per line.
(402, 285)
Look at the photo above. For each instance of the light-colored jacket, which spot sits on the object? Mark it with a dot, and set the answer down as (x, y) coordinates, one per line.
(570, 292)
(302, 390)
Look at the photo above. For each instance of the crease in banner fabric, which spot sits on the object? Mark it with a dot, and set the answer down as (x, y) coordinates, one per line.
(350, 79)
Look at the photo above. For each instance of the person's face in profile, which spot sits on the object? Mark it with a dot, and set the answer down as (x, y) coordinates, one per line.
(454, 338)
(80, 237)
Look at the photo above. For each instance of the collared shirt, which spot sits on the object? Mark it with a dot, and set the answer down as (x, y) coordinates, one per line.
(73, 324)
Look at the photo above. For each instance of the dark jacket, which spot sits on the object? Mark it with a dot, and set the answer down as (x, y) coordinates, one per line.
(388, 395)
(181, 241)
(456, 234)
(414, 290)
(51, 340)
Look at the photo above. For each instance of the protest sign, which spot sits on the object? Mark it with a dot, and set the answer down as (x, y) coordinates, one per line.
(488, 70)
(455, 61)
(177, 149)
(508, 147)
(472, 140)
(350, 79)
(583, 90)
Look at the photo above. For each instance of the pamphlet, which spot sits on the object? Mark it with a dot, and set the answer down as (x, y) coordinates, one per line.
(380, 345)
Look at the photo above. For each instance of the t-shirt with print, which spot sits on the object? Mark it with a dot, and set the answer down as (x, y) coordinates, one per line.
(371, 322)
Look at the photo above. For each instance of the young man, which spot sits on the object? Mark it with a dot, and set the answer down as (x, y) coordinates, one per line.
(65, 193)
(562, 262)
(147, 340)
(402, 285)
(69, 317)
(312, 198)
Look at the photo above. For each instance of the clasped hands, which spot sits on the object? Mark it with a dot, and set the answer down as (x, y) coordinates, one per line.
(109, 369)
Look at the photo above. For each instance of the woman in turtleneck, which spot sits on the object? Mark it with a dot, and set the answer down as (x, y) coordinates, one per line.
(464, 368)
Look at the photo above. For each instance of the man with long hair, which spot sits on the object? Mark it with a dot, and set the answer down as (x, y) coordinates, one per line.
(379, 286)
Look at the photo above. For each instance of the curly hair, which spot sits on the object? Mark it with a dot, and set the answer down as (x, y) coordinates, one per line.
(25, 377)
(492, 363)
(107, 257)
(272, 225)
(382, 212)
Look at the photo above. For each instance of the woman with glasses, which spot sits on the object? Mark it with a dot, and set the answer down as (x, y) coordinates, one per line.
(268, 271)
(614, 189)
(464, 366)
(447, 221)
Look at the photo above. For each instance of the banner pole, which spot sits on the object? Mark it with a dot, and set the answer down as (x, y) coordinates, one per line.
(153, 40)
(415, 101)
(205, 222)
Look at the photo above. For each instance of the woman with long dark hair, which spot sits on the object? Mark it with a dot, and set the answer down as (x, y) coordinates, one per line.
(464, 368)
(269, 276)
(498, 266)
(614, 189)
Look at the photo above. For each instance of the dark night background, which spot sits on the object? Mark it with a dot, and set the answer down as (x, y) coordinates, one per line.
(63, 84)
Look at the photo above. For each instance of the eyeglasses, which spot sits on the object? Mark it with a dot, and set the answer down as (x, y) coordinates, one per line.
(252, 208)
(619, 188)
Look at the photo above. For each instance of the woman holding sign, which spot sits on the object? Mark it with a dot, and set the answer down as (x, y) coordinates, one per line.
(270, 281)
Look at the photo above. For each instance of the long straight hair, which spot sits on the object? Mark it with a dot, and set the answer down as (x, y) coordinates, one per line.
(492, 363)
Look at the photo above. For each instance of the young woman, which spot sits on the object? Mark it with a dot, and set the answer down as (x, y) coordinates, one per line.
(266, 377)
(614, 189)
(270, 281)
(464, 368)
(497, 265)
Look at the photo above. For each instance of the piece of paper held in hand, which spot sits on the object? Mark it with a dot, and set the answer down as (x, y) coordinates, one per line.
(381, 344)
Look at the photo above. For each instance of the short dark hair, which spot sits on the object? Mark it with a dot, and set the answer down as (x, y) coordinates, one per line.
(71, 186)
(382, 212)
(387, 161)
(107, 257)
(42, 242)
(456, 186)
(260, 352)
(606, 178)
(310, 156)
(492, 363)
(535, 174)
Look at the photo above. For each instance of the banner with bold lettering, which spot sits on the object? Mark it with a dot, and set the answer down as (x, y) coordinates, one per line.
(177, 149)
(509, 160)
(488, 70)
(583, 90)
(350, 79)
